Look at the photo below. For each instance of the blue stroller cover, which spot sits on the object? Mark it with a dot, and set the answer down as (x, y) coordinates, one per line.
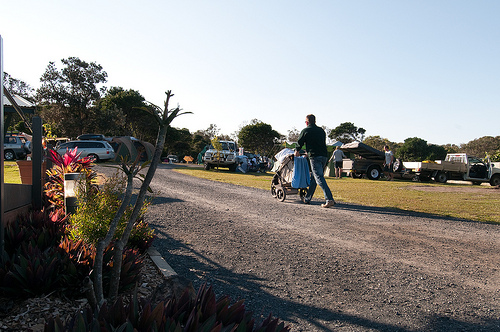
(300, 176)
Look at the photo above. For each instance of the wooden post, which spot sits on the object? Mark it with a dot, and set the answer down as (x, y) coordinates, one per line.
(37, 159)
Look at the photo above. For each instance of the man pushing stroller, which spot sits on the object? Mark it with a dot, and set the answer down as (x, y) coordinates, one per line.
(314, 138)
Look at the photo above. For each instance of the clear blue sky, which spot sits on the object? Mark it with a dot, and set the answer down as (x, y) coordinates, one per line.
(399, 69)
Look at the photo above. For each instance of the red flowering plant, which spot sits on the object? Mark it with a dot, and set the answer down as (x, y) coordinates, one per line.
(70, 162)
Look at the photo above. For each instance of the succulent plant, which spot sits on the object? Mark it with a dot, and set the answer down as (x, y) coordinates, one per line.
(205, 313)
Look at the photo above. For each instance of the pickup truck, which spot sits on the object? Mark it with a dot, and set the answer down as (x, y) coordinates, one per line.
(456, 166)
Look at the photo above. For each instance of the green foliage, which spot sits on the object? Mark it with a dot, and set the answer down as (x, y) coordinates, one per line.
(378, 142)
(495, 156)
(486, 145)
(18, 87)
(347, 132)
(417, 149)
(70, 94)
(205, 313)
(134, 122)
(39, 259)
(97, 209)
(258, 137)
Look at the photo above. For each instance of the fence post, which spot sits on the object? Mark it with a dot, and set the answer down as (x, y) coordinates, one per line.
(37, 159)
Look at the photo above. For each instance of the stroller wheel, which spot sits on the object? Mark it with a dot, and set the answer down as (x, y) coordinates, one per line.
(302, 193)
(273, 190)
(280, 195)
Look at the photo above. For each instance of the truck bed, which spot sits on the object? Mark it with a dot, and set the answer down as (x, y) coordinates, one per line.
(438, 165)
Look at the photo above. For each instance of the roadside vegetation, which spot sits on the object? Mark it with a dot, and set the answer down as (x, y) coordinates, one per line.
(476, 203)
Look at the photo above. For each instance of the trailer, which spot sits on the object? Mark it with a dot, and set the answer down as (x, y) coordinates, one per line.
(456, 166)
(368, 161)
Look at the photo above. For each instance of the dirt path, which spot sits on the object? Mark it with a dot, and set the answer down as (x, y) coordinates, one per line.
(351, 268)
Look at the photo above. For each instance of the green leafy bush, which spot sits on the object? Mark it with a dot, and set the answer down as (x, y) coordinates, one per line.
(97, 209)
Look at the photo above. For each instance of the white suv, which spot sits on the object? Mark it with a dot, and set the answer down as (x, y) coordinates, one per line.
(227, 157)
(15, 147)
(98, 150)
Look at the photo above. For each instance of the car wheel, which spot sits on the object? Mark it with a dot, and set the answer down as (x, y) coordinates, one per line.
(441, 177)
(423, 178)
(9, 155)
(280, 195)
(93, 157)
(206, 166)
(232, 168)
(495, 180)
(373, 172)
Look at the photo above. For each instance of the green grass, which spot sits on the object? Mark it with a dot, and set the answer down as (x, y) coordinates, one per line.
(11, 172)
(478, 203)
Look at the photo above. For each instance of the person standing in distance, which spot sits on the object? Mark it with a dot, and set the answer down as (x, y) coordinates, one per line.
(314, 138)
(388, 161)
(338, 160)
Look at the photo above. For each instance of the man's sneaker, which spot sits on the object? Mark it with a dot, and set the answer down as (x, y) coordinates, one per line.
(328, 204)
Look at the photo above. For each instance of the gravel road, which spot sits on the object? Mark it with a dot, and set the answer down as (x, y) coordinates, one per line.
(350, 268)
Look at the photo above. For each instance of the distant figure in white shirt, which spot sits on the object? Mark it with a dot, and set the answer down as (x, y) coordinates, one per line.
(338, 157)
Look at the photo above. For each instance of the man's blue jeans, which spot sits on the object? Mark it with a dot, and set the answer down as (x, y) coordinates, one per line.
(317, 177)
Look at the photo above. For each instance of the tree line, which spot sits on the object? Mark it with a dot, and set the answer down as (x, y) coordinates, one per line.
(73, 100)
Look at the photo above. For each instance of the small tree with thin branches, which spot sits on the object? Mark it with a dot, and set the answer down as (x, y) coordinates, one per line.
(164, 117)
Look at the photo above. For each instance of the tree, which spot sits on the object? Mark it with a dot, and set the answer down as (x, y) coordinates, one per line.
(68, 96)
(347, 132)
(482, 146)
(164, 118)
(378, 142)
(18, 87)
(293, 135)
(258, 137)
(417, 149)
(137, 123)
(212, 131)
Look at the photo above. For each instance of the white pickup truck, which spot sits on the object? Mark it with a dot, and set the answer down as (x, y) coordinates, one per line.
(456, 166)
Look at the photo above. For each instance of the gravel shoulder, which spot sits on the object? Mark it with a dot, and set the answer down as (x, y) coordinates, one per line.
(351, 268)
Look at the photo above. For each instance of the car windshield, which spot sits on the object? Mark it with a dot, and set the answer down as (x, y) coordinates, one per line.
(226, 146)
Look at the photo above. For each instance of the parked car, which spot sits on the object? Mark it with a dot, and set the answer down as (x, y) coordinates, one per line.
(15, 147)
(173, 158)
(91, 137)
(98, 150)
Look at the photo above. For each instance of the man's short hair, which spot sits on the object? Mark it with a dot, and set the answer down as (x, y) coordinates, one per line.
(311, 118)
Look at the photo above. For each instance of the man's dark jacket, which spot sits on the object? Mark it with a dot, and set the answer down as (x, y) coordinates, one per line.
(314, 138)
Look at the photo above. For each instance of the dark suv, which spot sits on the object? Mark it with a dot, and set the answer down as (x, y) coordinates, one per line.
(91, 137)
(15, 147)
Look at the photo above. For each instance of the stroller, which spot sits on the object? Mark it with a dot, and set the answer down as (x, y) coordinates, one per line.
(281, 184)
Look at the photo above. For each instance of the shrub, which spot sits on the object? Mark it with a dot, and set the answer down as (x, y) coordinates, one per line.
(70, 162)
(205, 313)
(38, 259)
(97, 209)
